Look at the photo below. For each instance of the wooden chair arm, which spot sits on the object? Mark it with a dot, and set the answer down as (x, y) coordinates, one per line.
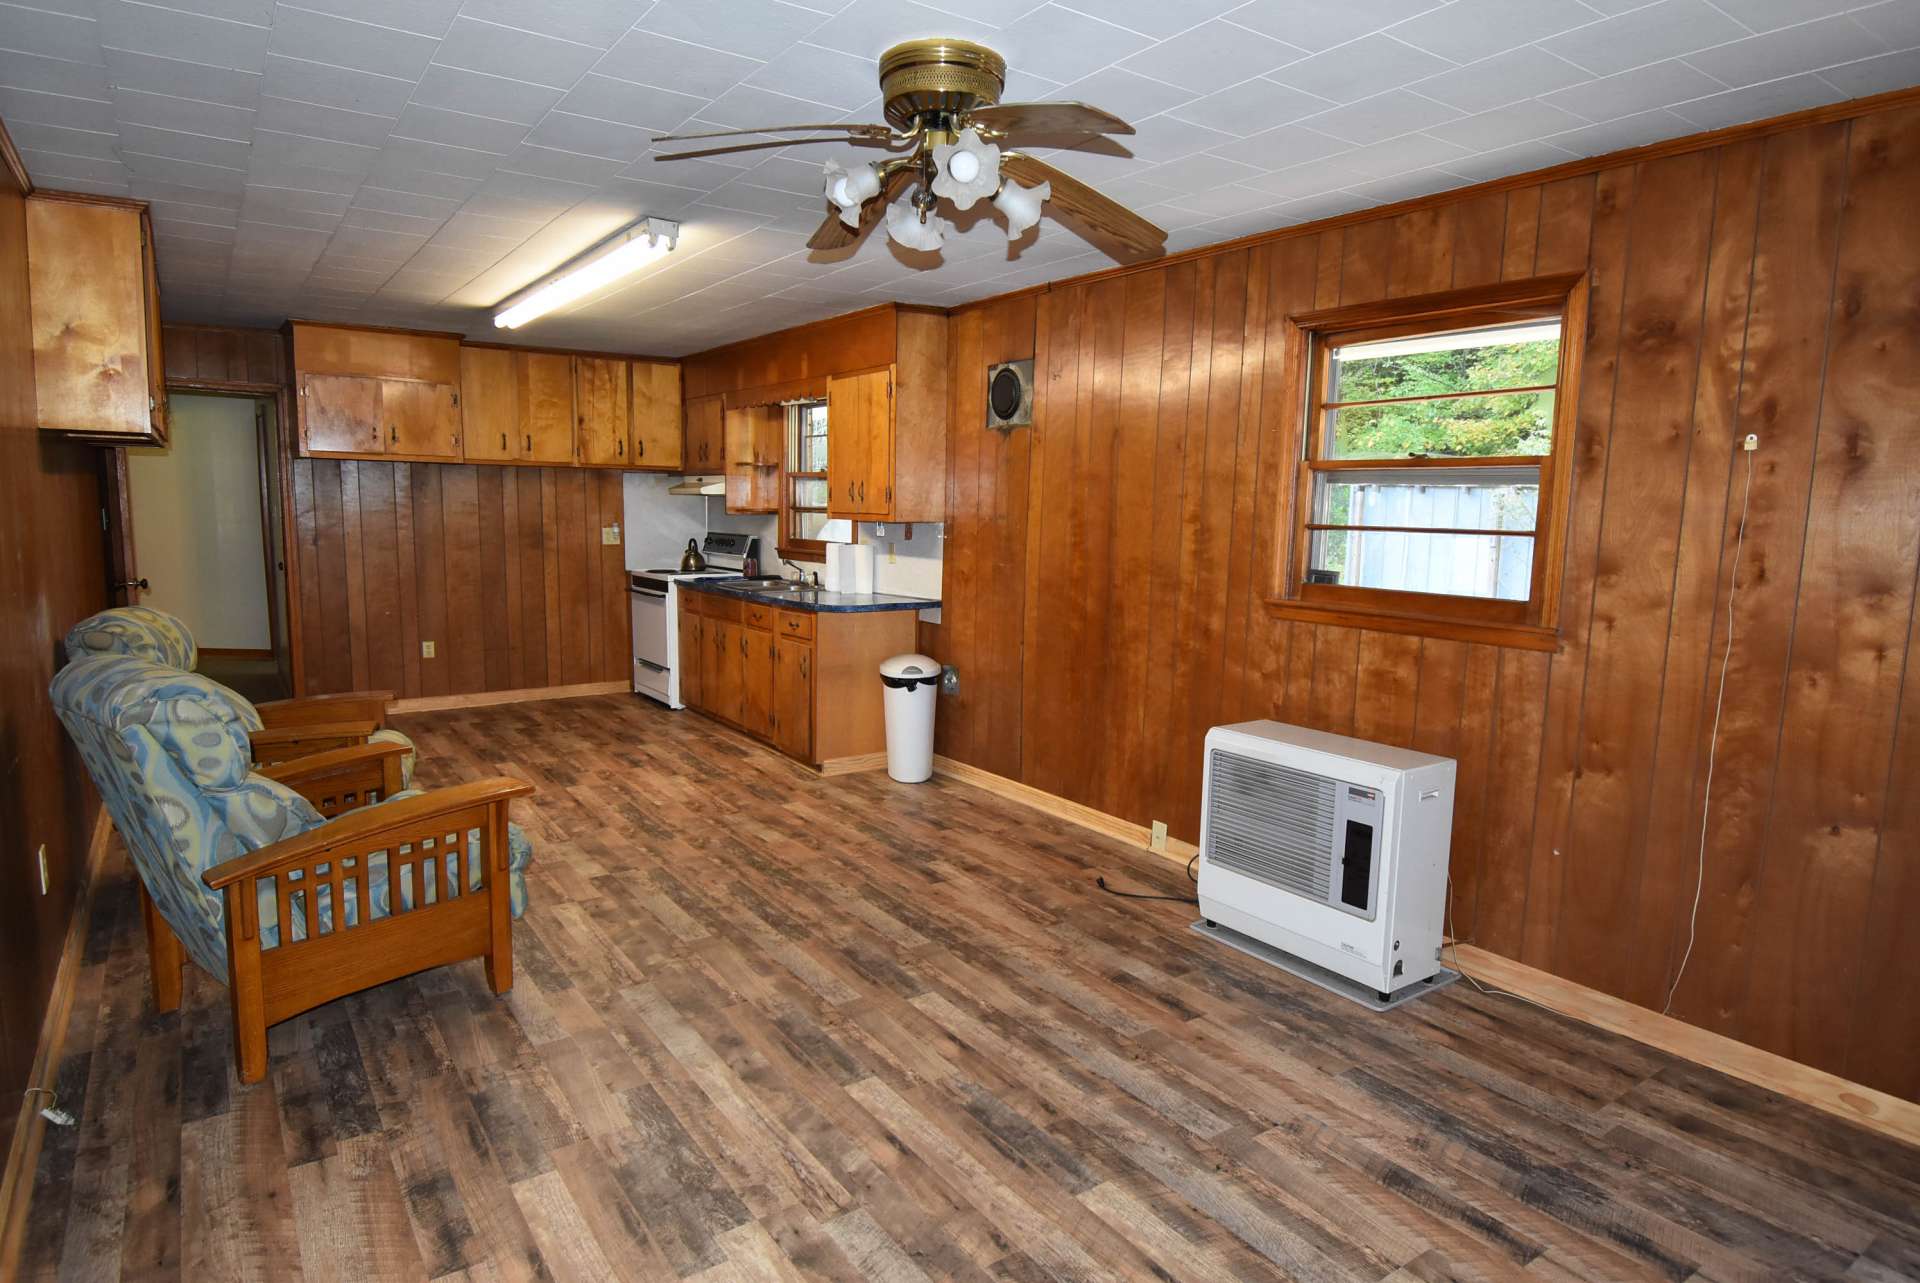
(342, 779)
(274, 744)
(365, 828)
(348, 706)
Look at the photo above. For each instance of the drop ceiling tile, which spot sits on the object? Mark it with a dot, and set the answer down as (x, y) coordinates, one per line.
(1663, 30)
(150, 188)
(1480, 28)
(1312, 179)
(55, 109)
(1191, 173)
(787, 174)
(1504, 126)
(1213, 54)
(1358, 69)
(1162, 138)
(1318, 25)
(626, 103)
(1518, 159)
(412, 204)
(169, 33)
(1407, 186)
(1380, 117)
(225, 152)
(1782, 53)
(305, 81)
(342, 42)
(322, 153)
(405, 224)
(1400, 155)
(1221, 202)
(843, 81)
(1127, 95)
(701, 175)
(514, 55)
(1897, 22)
(272, 170)
(52, 168)
(478, 94)
(258, 13)
(1659, 84)
(169, 232)
(170, 169)
(1756, 102)
(754, 28)
(164, 111)
(565, 166)
(752, 200)
(590, 137)
(648, 59)
(1622, 132)
(1526, 72)
(52, 75)
(148, 74)
(1251, 107)
(1063, 45)
(192, 212)
(268, 204)
(1875, 75)
(458, 129)
(597, 23)
(1765, 15)
(657, 198)
(93, 144)
(420, 17)
(1282, 147)
(50, 35)
(312, 120)
(438, 158)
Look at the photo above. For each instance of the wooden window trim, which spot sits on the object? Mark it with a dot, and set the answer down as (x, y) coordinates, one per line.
(1530, 625)
(791, 547)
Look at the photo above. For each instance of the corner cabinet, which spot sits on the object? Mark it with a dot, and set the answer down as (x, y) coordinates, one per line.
(94, 305)
(382, 393)
(705, 440)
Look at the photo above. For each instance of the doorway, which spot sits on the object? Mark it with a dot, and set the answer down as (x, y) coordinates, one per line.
(205, 517)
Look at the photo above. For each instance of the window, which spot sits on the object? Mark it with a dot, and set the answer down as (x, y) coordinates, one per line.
(1432, 460)
(805, 527)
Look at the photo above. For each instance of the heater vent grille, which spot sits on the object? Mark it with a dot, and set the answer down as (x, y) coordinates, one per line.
(1271, 823)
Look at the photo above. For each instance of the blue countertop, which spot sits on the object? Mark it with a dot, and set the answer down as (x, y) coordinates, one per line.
(838, 603)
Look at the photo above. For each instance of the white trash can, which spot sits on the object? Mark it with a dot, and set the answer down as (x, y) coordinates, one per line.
(912, 686)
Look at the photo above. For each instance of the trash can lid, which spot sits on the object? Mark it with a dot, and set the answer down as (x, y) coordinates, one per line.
(910, 666)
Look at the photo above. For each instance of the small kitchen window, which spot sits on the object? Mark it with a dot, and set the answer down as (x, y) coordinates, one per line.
(805, 527)
(1432, 462)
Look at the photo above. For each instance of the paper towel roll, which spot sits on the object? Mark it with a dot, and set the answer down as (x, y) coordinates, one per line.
(862, 554)
(835, 567)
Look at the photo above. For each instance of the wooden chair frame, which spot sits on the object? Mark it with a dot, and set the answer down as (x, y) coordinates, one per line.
(266, 986)
(292, 728)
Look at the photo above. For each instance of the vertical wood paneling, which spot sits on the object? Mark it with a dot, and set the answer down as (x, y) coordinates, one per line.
(495, 571)
(1715, 309)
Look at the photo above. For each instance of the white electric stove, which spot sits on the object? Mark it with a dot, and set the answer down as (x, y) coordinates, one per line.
(655, 598)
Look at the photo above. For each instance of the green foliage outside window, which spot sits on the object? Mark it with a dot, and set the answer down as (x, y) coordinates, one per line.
(1517, 423)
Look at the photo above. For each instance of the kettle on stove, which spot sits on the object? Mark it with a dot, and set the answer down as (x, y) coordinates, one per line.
(691, 560)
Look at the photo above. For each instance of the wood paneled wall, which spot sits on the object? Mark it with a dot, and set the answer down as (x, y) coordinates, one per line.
(221, 356)
(1106, 572)
(502, 568)
(52, 574)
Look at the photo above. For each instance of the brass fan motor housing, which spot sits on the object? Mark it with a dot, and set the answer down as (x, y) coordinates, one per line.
(939, 75)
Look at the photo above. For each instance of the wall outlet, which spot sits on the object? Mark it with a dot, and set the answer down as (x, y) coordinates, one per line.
(1159, 839)
(426, 650)
(610, 535)
(43, 868)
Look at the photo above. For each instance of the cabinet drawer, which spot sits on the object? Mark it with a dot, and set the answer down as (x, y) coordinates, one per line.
(758, 615)
(714, 606)
(795, 623)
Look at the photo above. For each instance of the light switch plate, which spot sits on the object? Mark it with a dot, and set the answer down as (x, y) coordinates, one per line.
(426, 650)
(610, 535)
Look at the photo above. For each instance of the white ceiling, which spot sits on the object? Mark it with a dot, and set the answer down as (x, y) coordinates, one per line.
(411, 162)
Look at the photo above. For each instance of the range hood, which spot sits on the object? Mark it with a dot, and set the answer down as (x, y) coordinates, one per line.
(699, 485)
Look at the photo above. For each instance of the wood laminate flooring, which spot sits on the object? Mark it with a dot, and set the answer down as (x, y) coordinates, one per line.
(767, 1026)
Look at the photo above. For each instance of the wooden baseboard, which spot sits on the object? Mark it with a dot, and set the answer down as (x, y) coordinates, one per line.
(481, 699)
(23, 1156)
(1830, 1093)
(854, 765)
(235, 652)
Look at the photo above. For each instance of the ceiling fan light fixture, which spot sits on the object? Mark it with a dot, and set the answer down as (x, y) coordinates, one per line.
(1021, 206)
(625, 252)
(909, 228)
(966, 169)
(848, 189)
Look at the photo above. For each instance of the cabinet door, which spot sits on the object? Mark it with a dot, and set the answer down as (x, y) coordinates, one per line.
(860, 444)
(876, 473)
(422, 419)
(793, 697)
(340, 414)
(489, 401)
(656, 415)
(692, 657)
(756, 683)
(755, 440)
(94, 366)
(720, 683)
(600, 410)
(545, 386)
(706, 440)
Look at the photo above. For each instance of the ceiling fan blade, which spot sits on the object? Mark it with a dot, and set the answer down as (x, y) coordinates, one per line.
(1107, 223)
(864, 131)
(834, 234)
(721, 151)
(1048, 118)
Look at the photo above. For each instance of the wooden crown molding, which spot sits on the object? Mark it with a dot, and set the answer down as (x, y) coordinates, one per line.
(10, 156)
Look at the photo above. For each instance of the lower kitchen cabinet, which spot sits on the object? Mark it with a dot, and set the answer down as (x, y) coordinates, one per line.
(807, 683)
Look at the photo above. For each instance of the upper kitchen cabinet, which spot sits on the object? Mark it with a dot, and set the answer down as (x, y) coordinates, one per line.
(97, 366)
(657, 437)
(602, 406)
(517, 406)
(391, 393)
(705, 449)
(755, 440)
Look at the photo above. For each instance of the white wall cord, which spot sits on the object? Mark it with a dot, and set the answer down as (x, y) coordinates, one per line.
(1713, 741)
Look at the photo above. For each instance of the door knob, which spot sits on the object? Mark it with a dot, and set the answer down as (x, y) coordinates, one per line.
(141, 584)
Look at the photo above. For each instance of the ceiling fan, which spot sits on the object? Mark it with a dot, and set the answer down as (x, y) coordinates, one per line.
(946, 118)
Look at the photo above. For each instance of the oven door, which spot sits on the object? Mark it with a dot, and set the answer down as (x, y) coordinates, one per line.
(652, 643)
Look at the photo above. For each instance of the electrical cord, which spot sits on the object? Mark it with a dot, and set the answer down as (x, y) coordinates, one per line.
(1713, 742)
(1101, 882)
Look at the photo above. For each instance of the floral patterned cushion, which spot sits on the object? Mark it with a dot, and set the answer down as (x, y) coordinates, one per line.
(140, 631)
(168, 752)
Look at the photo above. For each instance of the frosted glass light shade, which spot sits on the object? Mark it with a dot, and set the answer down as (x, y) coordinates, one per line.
(965, 170)
(849, 189)
(905, 227)
(1021, 206)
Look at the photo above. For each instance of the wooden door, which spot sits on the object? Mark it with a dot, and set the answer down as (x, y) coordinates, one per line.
(693, 655)
(422, 419)
(545, 408)
(705, 449)
(657, 435)
(756, 682)
(489, 405)
(340, 414)
(793, 697)
(600, 410)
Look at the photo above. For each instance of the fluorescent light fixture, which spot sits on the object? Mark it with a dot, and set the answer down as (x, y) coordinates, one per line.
(622, 254)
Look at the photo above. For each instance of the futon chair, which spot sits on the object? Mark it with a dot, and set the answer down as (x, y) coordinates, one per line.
(276, 731)
(243, 870)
